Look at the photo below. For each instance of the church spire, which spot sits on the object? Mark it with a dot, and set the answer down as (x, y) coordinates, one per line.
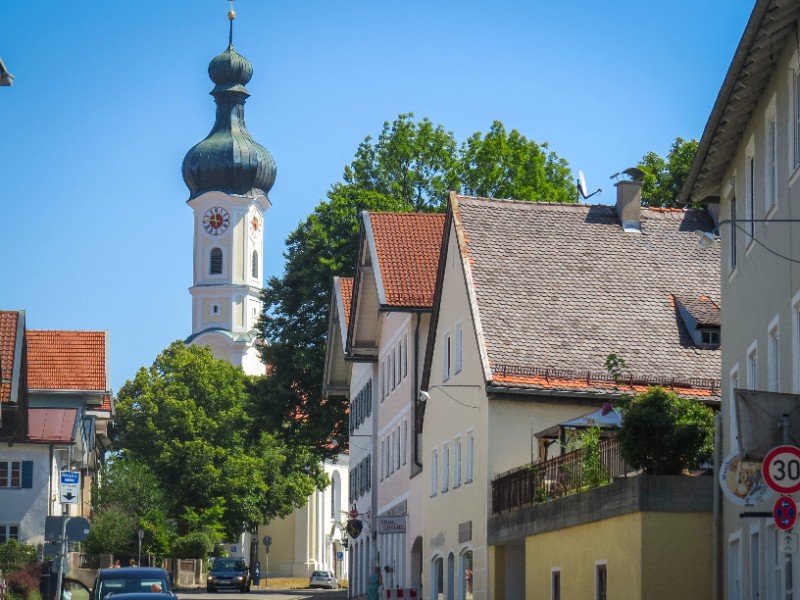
(229, 159)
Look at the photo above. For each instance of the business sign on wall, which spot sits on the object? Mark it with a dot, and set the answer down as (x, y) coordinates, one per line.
(392, 524)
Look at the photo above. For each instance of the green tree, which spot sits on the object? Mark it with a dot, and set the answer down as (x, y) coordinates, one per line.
(295, 318)
(509, 165)
(414, 162)
(189, 417)
(127, 497)
(664, 178)
(665, 434)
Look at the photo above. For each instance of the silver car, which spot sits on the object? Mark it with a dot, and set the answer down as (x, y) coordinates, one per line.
(323, 579)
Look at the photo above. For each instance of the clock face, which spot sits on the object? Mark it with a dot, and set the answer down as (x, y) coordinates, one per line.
(216, 220)
(254, 224)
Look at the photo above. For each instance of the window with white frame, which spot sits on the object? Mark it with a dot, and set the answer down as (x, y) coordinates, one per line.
(10, 473)
(601, 581)
(215, 262)
(383, 459)
(796, 114)
(752, 367)
(734, 385)
(445, 467)
(405, 355)
(392, 447)
(470, 457)
(773, 358)
(734, 568)
(397, 449)
(732, 258)
(459, 347)
(446, 355)
(755, 564)
(774, 563)
(404, 441)
(770, 158)
(399, 361)
(8, 533)
(457, 462)
(434, 471)
(749, 193)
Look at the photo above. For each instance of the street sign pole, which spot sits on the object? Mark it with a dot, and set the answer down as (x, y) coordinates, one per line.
(788, 576)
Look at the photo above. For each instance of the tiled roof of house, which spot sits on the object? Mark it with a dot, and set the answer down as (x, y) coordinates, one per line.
(346, 288)
(558, 287)
(51, 424)
(8, 343)
(68, 360)
(407, 247)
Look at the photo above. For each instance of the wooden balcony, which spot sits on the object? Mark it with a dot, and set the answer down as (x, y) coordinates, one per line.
(551, 479)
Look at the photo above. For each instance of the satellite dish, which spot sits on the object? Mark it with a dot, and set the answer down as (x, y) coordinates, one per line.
(581, 184)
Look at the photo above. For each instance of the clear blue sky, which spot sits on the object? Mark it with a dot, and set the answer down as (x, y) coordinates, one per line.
(109, 96)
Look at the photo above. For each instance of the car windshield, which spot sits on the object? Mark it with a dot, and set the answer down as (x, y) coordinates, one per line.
(320, 574)
(228, 564)
(125, 585)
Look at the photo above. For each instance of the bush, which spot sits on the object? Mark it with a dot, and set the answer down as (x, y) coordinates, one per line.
(24, 583)
(14, 556)
(192, 545)
(664, 434)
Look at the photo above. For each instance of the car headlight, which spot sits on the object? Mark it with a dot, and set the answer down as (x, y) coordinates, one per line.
(239, 577)
(212, 578)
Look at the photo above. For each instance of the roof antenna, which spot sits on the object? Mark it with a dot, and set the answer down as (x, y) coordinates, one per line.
(231, 17)
(581, 185)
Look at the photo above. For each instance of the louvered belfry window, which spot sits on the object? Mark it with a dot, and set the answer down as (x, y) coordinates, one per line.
(216, 262)
(255, 264)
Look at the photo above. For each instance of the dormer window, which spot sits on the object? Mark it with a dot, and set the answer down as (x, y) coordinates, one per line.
(709, 336)
(701, 318)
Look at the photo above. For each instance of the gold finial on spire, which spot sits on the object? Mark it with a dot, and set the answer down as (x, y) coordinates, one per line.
(231, 12)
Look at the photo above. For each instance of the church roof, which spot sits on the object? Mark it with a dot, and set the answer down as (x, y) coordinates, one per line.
(229, 159)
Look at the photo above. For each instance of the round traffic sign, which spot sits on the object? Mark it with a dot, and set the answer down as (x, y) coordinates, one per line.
(785, 512)
(781, 469)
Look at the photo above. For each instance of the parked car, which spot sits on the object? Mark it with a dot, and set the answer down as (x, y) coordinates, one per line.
(229, 573)
(127, 580)
(323, 579)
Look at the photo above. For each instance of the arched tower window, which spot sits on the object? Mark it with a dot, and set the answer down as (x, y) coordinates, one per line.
(255, 264)
(216, 262)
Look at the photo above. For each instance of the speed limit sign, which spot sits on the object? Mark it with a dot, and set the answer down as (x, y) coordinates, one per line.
(781, 469)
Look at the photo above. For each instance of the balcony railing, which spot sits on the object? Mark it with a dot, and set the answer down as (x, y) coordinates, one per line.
(551, 479)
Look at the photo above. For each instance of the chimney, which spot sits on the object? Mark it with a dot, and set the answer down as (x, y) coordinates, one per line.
(629, 201)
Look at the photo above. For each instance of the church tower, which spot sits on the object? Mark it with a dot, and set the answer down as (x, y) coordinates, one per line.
(229, 176)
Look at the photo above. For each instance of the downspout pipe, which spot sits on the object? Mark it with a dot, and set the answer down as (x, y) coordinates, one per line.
(415, 391)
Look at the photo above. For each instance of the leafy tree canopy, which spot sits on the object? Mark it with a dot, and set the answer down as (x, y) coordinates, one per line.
(412, 166)
(664, 178)
(665, 434)
(189, 417)
(127, 497)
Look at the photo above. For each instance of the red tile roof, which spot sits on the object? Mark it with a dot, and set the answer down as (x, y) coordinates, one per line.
(51, 424)
(407, 247)
(8, 342)
(346, 287)
(67, 360)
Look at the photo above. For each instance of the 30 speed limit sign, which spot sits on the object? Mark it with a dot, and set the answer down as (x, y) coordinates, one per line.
(781, 469)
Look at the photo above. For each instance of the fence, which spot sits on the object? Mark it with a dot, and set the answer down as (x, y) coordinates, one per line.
(550, 479)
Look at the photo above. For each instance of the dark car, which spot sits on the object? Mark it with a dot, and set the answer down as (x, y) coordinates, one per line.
(229, 573)
(130, 580)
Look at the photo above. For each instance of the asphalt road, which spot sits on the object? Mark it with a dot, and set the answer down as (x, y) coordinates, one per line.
(264, 595)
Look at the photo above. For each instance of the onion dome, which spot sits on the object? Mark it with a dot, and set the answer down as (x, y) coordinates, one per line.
(229, 159)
